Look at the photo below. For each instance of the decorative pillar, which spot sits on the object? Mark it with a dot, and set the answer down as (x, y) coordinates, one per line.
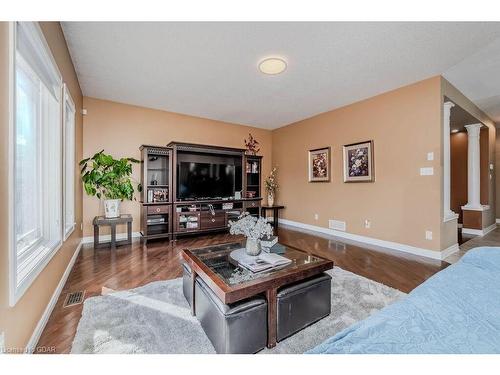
(473, 168)
(448, 213)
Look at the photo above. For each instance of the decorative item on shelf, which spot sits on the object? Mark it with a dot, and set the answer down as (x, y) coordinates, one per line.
(252, 145)
(159, 195)
(227, 206)
(253, 229)
(319, 165)
(109, 179)
(154, 179)
(358, 162)
(271, 186)
(251, 194)
(237, 195)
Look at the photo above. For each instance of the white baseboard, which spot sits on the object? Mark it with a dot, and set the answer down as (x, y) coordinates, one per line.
(30, 348)
(439, 255)
(480, 232)
(107, 237)
(449, 251)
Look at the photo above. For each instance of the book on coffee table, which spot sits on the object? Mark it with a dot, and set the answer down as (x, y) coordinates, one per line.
(262, 262)
(277, 248)
(268, 241)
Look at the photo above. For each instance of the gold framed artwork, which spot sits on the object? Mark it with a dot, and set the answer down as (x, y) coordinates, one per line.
(358, 162)
(319, 165)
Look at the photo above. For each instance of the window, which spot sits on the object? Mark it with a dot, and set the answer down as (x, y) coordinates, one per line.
(36, 157)
(69, 163)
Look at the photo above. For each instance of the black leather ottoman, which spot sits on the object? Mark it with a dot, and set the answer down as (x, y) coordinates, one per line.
(303, 303)
(186, 282)
(237, 328)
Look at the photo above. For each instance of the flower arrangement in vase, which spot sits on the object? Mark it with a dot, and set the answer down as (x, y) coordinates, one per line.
(253, 229)
(271, 186)
(251, 145)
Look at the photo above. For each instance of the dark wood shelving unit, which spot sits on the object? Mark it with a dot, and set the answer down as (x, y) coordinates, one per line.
(156, 195)
(252, 182)
(171, 217)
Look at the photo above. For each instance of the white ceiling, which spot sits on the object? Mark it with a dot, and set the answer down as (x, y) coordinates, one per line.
(478, 77)
(210, 69)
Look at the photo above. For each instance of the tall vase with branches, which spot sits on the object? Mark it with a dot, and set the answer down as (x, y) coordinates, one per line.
(272, 186)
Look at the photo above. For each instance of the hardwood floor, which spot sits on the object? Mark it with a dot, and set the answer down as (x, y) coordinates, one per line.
(97, 271)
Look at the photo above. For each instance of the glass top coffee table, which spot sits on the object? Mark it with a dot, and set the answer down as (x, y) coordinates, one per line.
(231, 282)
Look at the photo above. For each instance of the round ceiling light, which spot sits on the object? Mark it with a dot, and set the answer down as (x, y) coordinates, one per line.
(272, 65)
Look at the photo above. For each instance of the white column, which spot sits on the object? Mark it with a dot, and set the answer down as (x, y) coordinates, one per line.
(448, 213)
(473, 168)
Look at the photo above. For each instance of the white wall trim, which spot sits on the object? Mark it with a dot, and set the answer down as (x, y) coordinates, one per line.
(107, 237)
(31, 346)
(10, 168)
(449, 251)
(370, 240)
(489, 229)
(480, 232)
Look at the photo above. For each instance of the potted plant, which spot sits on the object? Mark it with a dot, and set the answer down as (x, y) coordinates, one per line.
(109, 179)
(253, 229)
(271, 186)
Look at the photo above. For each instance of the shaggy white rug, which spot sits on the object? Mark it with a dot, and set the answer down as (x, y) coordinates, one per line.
(156, 318)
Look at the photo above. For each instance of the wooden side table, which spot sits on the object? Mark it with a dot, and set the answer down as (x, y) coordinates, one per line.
(123, 219)
(275, 210)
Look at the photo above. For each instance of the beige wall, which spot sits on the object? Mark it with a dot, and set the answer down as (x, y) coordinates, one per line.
(497, 173)
(405, 125)
(120, 129)
(19, 321)
(453, 94)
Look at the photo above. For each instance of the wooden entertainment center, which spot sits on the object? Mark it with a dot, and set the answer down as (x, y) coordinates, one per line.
(167, 214)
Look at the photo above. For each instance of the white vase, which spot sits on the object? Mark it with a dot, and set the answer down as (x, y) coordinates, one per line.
(252, 247)
(111, 208)
(270, 199)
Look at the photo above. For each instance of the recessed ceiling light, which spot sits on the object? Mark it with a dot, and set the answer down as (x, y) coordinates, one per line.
(272, 65)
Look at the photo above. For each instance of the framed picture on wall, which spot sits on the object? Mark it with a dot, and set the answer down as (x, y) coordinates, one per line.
(319, 165)
(358, 162)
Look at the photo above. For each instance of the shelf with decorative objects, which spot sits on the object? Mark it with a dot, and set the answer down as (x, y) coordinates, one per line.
(168, 210)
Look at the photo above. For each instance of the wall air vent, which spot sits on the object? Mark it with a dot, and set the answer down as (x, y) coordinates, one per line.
(337, 225)
(74, 298)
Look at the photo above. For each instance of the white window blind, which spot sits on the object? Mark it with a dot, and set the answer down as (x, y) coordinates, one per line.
(36, 162)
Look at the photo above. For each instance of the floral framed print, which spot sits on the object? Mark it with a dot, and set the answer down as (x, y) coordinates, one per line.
(319, 165)
(358, 162)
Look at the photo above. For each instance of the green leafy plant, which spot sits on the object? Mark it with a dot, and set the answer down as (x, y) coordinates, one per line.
(109, 178)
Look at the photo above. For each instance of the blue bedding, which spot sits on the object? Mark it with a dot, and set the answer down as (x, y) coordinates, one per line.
(455, 311)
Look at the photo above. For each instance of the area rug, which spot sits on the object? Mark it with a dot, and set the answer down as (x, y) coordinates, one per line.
(156, 318)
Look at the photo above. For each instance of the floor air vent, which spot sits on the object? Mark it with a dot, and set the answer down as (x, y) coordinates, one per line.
(74, 298)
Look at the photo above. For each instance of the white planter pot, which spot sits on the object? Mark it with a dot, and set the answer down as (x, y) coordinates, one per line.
(111, 208)
(270, 199)
(252, 247)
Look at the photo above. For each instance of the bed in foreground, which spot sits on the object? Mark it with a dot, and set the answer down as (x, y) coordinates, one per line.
(455, 311)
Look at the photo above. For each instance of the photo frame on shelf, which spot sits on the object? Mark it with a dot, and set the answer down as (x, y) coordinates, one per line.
(359, 162)
(320, 165)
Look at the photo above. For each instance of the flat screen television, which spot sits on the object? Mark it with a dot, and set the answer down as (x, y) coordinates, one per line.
(199, 180)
